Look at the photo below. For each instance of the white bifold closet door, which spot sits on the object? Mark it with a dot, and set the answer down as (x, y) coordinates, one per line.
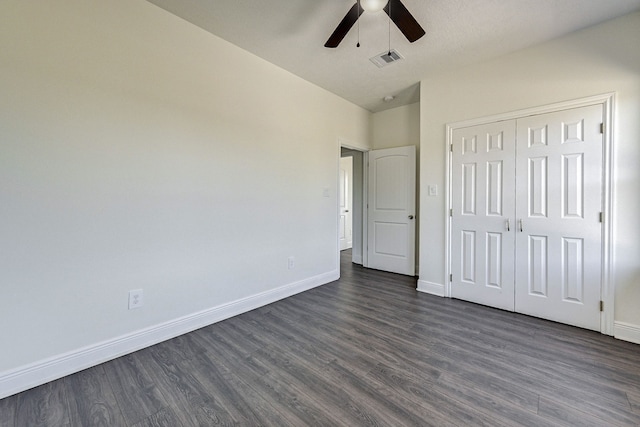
(558, 205)
(483, 182)
(525, 228)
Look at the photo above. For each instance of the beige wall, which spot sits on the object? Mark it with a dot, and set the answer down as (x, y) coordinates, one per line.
(597, 60)
(397, 127)
(138, 151)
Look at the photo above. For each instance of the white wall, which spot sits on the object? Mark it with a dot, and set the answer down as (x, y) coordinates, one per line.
(138, 151)
(597, 60)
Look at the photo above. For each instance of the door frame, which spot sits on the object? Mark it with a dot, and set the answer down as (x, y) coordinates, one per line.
(363, 218)
(607, 101)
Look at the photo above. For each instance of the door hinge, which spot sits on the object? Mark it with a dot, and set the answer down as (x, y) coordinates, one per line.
(451, 147)
(601, 305)
(601, 216)
(601, 127)
(451, 277)
(450, 212)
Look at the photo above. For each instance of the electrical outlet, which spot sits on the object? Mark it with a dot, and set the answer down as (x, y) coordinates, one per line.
(291, 262)
(135, 299)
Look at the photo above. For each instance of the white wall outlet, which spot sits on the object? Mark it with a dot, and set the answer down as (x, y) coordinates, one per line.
(291, 263)
(135, 299)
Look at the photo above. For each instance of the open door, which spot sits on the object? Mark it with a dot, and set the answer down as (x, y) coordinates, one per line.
(391, 220)
(346, 202)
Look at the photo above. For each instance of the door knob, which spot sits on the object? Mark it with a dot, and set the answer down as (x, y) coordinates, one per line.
(346, 210)
(520, 226)
(508, 225)
(410, 216)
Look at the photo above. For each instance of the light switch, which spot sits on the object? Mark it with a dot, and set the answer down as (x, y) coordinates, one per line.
(433, 189)
(325, 192)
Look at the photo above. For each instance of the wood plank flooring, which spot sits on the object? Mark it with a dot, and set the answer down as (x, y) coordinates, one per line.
(365, 350)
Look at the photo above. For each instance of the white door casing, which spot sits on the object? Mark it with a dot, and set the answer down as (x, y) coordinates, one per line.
(482, 244)
(346, 203)
(558, 205)
(391, 210)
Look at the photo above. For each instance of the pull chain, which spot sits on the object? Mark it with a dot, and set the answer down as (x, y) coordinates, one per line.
(389, 28)
(358, 45)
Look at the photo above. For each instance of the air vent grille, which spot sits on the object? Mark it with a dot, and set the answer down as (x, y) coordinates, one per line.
(386, 58)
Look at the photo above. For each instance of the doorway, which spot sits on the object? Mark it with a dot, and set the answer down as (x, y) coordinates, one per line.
(351, 199)
(345, 228)
(383, 203)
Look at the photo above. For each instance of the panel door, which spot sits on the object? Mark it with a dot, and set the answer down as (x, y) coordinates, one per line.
(346, 201)
(391, 213)
(482, 238)
(558, 203)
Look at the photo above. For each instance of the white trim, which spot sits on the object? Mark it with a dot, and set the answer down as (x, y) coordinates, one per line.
(365, 209)
(357, 259)
(607, 318)
(607, 100)
(447, 207)
(345, 143)
(431, 288)
(33, 375)
(337, 195)
(627, 332)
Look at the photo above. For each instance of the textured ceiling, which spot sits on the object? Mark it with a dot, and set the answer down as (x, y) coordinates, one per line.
(291, 34)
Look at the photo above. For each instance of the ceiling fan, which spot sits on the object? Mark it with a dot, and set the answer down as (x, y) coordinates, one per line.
(394, 8)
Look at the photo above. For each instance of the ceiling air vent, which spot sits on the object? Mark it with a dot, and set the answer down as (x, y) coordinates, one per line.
(386, 58)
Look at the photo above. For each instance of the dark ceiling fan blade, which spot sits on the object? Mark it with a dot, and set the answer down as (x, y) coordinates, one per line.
(404, 20)
(344, 26)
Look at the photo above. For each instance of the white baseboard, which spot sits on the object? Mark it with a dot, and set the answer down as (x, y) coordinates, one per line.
(33, 375)
(431, 288)
(626, 332)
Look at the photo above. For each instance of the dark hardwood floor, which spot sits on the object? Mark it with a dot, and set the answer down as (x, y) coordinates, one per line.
(365, 350)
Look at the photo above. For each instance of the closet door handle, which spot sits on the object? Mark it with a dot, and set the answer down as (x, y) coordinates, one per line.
(508, 225)
(520, 225)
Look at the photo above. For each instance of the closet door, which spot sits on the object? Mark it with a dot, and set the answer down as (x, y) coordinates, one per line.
(558, 205)
(482, 233)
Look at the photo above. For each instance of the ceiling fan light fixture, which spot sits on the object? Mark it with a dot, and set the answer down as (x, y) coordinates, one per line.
(373, 5)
